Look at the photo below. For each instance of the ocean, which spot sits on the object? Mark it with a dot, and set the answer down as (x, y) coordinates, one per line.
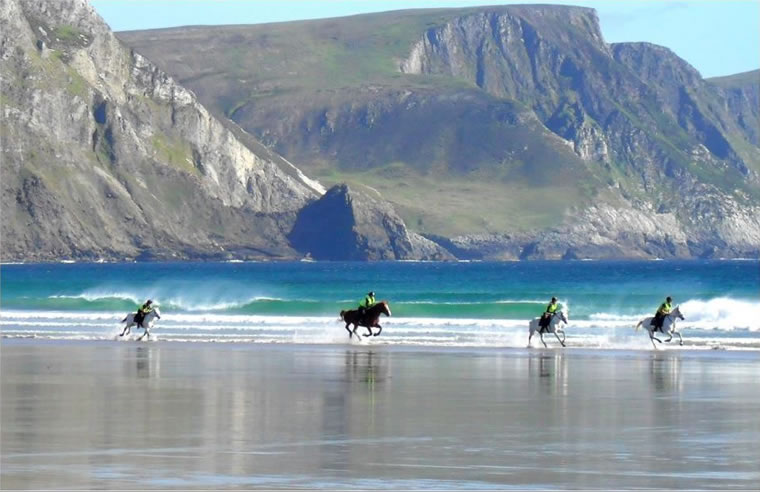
(462, 304)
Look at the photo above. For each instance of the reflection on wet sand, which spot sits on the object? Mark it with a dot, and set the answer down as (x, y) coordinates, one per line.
(148, 361)
(364, 373)
(148, 416)
(664, 371)
(551, 368)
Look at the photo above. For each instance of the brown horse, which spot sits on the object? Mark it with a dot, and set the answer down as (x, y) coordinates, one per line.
(370, 318)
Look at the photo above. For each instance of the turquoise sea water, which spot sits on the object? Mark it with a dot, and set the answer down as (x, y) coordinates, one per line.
(458, 304)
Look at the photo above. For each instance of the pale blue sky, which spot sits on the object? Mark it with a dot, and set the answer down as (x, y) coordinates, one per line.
(718, 37)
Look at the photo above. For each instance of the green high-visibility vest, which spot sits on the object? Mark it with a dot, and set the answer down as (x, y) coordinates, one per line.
(665, 308)
(367, 302)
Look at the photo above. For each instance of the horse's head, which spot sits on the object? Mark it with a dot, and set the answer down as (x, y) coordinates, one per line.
(385, 308)
(156, 312)
(562, 316)
(676, 313)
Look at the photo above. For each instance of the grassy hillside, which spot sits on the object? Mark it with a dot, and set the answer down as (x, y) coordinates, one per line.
(515, 116)
(737, 80)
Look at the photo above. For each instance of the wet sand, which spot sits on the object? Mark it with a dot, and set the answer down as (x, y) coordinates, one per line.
(162, 415)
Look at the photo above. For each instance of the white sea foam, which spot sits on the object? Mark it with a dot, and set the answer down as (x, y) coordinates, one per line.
(720, 313)
(180, 302)
(714, 314)
(720, 322)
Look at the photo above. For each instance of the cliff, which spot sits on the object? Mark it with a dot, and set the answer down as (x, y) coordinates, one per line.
(105, 156)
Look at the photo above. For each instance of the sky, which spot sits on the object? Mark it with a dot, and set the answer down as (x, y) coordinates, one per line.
(717, 37)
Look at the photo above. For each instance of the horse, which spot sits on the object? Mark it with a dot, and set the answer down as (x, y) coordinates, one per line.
(369, 319)
(668, 326)
(557, 317)
(147, 322)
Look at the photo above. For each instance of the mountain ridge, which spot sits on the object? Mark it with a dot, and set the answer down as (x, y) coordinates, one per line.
(637, 127)
(502, 133)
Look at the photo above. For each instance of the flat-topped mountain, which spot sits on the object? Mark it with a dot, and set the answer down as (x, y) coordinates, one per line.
(495, 122)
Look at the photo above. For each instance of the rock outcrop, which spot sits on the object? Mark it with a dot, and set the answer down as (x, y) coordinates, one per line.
(106, 156)
(345, 224)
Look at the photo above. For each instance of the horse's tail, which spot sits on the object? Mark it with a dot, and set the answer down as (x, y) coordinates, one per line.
(341, 315)
(125, 319)
(638, 326)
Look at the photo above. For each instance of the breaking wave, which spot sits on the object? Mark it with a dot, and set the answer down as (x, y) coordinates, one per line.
(714, 323)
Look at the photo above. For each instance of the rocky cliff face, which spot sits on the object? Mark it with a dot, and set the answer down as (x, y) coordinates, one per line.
(740, 94)
(603, 98)
(345, 224)
(626, 230)
(106, 156)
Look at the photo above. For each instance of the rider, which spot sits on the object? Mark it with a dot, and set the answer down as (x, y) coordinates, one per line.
(367, 302)
(142, 311)
(551, 309)
(664, 310)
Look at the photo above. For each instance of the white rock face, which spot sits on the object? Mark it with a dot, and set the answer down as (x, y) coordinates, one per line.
(101, 139)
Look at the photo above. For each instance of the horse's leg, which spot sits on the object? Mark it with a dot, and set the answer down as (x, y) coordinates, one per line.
(356, 327)
(378, 331)
(350, 334)
(652, 338)
(531, 331)
(369, 331)
(560, 341)
(680, 338)
(541, 334)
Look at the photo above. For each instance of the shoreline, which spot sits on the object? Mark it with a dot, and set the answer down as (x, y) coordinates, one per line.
(302, 260)
(601, 352)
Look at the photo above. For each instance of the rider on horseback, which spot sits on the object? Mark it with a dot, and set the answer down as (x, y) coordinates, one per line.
(550, 311)
(142, 311)
(367, 302)
(664, 310)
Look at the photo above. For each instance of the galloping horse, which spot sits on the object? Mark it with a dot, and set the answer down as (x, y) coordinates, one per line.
(668, 326)
(553, 327)
(147, 323)
(370, 318)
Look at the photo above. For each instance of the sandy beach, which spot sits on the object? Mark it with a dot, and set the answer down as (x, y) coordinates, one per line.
(180, 415)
